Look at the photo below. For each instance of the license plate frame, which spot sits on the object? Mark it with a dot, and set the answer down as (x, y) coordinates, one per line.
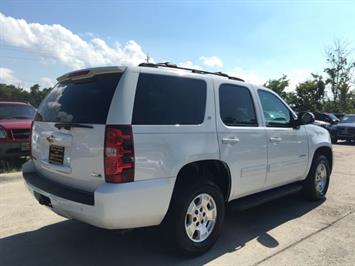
(56, 154)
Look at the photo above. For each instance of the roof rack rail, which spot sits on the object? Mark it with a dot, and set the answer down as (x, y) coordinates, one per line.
(198, 71)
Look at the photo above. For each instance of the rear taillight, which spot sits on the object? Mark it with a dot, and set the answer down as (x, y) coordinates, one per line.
(119, 154)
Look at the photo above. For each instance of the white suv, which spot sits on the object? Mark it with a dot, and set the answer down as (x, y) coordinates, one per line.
(127, 147)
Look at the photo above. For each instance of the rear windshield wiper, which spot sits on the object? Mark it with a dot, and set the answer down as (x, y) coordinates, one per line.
(68, 126)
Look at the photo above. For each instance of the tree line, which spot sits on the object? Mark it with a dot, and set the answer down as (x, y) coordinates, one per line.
(33, 96)
(331, 92)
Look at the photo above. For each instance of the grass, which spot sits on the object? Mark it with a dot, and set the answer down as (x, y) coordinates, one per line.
(11, 165)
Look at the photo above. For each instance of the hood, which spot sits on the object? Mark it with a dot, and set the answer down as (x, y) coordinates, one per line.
(15, 123)
(352, 125)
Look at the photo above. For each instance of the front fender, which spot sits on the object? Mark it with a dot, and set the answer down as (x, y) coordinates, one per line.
(318, 137)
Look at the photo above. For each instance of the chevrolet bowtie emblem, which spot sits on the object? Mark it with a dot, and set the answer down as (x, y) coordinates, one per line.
(51, 138)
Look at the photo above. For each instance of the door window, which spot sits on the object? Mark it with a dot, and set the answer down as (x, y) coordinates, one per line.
(236, 106)
(275, 112)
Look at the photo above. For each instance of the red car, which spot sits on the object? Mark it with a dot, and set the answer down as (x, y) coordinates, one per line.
(15, 128)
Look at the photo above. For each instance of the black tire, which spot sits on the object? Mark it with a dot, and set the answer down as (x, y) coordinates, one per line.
(177, 217)
(310, 184)
(334, 140)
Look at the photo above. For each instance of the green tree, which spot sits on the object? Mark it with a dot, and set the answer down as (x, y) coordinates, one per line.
(278, 85)
(34, 96)
(291, 99)
(339, 75)
(310, 94)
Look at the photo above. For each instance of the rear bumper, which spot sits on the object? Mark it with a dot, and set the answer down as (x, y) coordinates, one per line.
(14, 149)
(345, 136)
(110, 206)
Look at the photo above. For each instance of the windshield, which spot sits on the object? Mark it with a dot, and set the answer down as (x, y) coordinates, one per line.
(348, 119)
(333, 117)
(16, 111)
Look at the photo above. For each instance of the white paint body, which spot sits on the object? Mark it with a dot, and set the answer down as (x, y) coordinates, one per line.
(255, 163)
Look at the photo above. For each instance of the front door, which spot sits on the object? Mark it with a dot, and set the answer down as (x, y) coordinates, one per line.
(287, 146)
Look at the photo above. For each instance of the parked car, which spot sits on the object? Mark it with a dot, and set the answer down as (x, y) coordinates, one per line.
(323, 124)
(345, 130)
(339, 116)
(326, 117)
(15, 126)
(127, 147)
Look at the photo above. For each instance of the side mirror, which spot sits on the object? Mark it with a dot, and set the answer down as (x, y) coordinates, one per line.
(306, 118)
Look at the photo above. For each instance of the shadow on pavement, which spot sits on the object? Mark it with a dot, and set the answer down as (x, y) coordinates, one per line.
(12, 164)
(74, 243)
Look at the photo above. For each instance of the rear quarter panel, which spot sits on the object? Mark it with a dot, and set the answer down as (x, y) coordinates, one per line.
(162, 150)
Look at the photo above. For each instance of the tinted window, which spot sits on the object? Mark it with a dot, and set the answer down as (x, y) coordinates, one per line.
(275, 112)
(236, 106)
(168, 100)
(348, 119)
(81, 101)
(16, 111)
(317, 116)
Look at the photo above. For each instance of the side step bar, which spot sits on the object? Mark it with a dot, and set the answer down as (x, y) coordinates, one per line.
(263, 197)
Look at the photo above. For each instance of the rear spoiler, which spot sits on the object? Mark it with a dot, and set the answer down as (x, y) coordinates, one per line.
(90, 72)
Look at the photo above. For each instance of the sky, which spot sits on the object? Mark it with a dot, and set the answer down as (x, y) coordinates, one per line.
(254, 40)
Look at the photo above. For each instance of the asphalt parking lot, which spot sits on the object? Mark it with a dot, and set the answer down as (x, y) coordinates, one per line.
(288, 231)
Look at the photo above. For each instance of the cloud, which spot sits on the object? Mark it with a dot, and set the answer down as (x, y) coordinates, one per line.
(212, 61)
(294, 75)
(7, 76)
(59, 43)
(297, 75)
(46, 82)
(189, 64)
(250, 76)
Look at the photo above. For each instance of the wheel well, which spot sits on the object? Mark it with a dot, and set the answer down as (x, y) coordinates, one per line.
(327, 152)
(213, 170)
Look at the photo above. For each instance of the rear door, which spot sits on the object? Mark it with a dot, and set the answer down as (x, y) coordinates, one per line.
(242, 141)
(69, 130)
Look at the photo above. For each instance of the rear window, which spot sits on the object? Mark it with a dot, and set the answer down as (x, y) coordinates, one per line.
(80, 101)
(168, 100)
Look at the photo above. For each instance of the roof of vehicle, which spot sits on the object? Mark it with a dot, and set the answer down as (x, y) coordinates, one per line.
(160, 67)
(198, 71)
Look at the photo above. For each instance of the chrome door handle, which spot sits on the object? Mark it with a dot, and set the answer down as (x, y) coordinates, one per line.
(275, 139)
(231, 140)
